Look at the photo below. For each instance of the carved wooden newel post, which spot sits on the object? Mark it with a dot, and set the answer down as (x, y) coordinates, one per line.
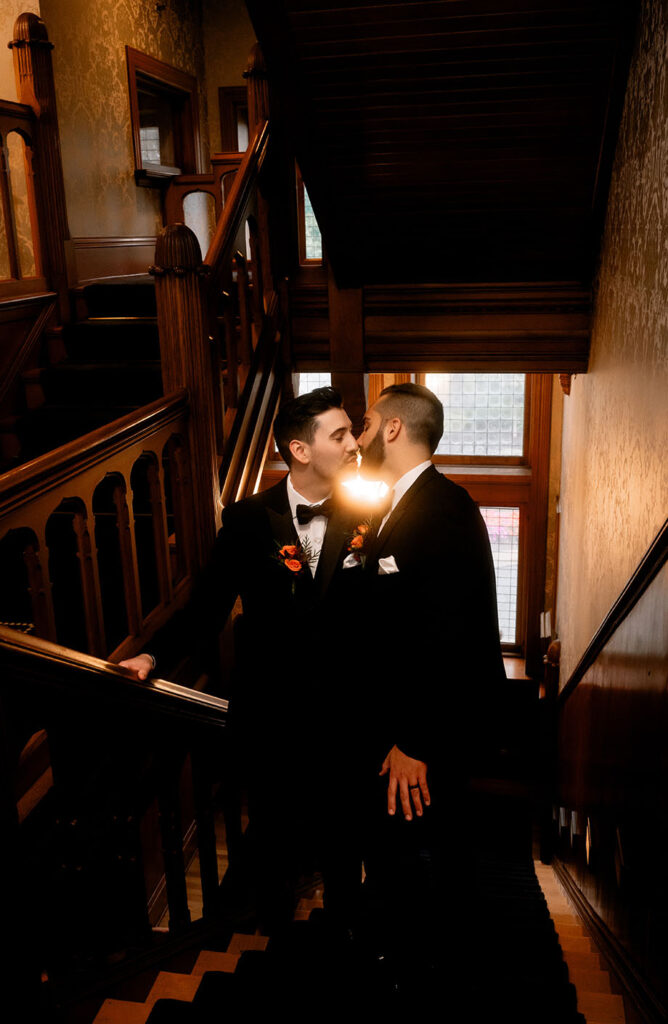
(186, 363)
(35, 87)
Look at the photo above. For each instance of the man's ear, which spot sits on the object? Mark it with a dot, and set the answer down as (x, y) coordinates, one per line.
(300, 451)
(392, 428)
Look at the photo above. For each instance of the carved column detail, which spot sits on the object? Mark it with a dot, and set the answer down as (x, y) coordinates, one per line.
(35, 86)
(126, 544)
(186, 362)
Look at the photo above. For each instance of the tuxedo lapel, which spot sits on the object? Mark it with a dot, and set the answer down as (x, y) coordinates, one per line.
(332, 550)
(380, 541)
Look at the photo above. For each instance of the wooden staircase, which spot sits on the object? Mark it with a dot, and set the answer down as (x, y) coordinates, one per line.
(239, 974)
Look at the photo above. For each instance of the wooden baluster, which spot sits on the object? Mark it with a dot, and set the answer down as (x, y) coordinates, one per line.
(245, 318)
(186, 362)
(90, 585)
(128, 550)
(231, 355)
(171, 831)
(181, 491)
(8, 212)
(257, 289)
(156, 484)
(202, 773)
(39, 587)
(35, 86)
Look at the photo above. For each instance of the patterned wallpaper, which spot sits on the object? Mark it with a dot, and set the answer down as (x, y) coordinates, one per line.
(614, 486)
(228, 39)
(93, 103)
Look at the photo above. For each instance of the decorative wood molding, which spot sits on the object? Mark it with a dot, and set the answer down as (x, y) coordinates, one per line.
(651, 564)
(35, 87)
(103, 256)
(185, 354)
(142, 65)
(649, 1008)
(20, 486)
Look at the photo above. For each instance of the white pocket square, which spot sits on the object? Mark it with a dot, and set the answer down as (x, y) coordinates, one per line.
(387, 566)
(351, 561)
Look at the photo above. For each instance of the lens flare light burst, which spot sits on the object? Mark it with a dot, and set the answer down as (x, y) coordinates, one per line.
(363, 490)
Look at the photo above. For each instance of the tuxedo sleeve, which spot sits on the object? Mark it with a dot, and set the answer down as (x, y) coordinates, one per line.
(193, 630)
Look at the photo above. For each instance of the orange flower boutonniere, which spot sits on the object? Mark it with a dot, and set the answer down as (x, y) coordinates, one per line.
(357, 540)
(295, 558)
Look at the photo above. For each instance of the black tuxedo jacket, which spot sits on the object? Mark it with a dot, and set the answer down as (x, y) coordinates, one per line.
(289, 643)
(435, 655)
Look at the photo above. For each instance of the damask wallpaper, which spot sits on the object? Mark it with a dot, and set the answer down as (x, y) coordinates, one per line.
(93, 102)
(228, 39)
(614, 486)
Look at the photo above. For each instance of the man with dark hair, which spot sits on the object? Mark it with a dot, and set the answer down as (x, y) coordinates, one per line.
(435, 664)
(282, 551)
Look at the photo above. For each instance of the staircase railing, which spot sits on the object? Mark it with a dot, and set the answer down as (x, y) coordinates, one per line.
(128, 759)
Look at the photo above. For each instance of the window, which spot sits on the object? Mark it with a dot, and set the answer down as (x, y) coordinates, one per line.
(233, 110)
(164, 112)
(496, 445)
(484, 413)
(310, 239)
(310, 381)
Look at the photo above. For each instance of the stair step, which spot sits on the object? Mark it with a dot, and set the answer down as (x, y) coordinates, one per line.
(239, 943)
(170, 985)
(121, 296)
(126, 340)
(122, 1011)
(210, 961)
(84, 384)
(590, 981)
(601, 1008)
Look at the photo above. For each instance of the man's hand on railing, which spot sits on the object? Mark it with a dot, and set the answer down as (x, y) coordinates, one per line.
(142, 665)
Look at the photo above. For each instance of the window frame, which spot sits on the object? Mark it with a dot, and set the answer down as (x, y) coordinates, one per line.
(171, 82)
(518, 482)
(304, 261)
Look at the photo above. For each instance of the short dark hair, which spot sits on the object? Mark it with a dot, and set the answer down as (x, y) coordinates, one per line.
(296, 418)
(419, 410)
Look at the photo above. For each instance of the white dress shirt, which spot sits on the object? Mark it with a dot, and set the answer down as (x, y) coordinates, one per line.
(311, 533)
(401, 486)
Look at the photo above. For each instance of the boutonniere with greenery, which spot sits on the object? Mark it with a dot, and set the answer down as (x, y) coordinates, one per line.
(295, 558)
(357, 540)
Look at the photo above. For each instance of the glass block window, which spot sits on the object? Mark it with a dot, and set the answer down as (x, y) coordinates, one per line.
(312, 231)
(309, 381)
(503, 527)
(484, 412)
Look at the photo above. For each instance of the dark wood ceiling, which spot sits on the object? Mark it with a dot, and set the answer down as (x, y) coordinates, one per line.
(452, 140)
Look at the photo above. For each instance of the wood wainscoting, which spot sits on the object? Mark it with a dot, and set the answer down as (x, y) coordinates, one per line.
(112, 256)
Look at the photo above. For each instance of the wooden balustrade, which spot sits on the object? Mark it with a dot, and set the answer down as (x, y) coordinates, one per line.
(128, 759)
(98, 534)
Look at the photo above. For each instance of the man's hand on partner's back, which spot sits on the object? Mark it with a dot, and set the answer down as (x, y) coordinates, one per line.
(410, 778)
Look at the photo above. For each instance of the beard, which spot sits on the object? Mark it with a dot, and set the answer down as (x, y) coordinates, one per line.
(373, 455)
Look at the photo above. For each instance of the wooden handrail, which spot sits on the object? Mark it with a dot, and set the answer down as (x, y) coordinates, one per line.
(19, 486)
(30, 660)
(652, 562)
(236, 208)
(15, 115)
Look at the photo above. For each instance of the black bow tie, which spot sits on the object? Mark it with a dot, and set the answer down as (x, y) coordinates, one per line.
(305, 513)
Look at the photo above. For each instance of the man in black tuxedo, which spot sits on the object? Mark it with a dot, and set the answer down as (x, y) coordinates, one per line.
(282, 551)
(434, 659)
